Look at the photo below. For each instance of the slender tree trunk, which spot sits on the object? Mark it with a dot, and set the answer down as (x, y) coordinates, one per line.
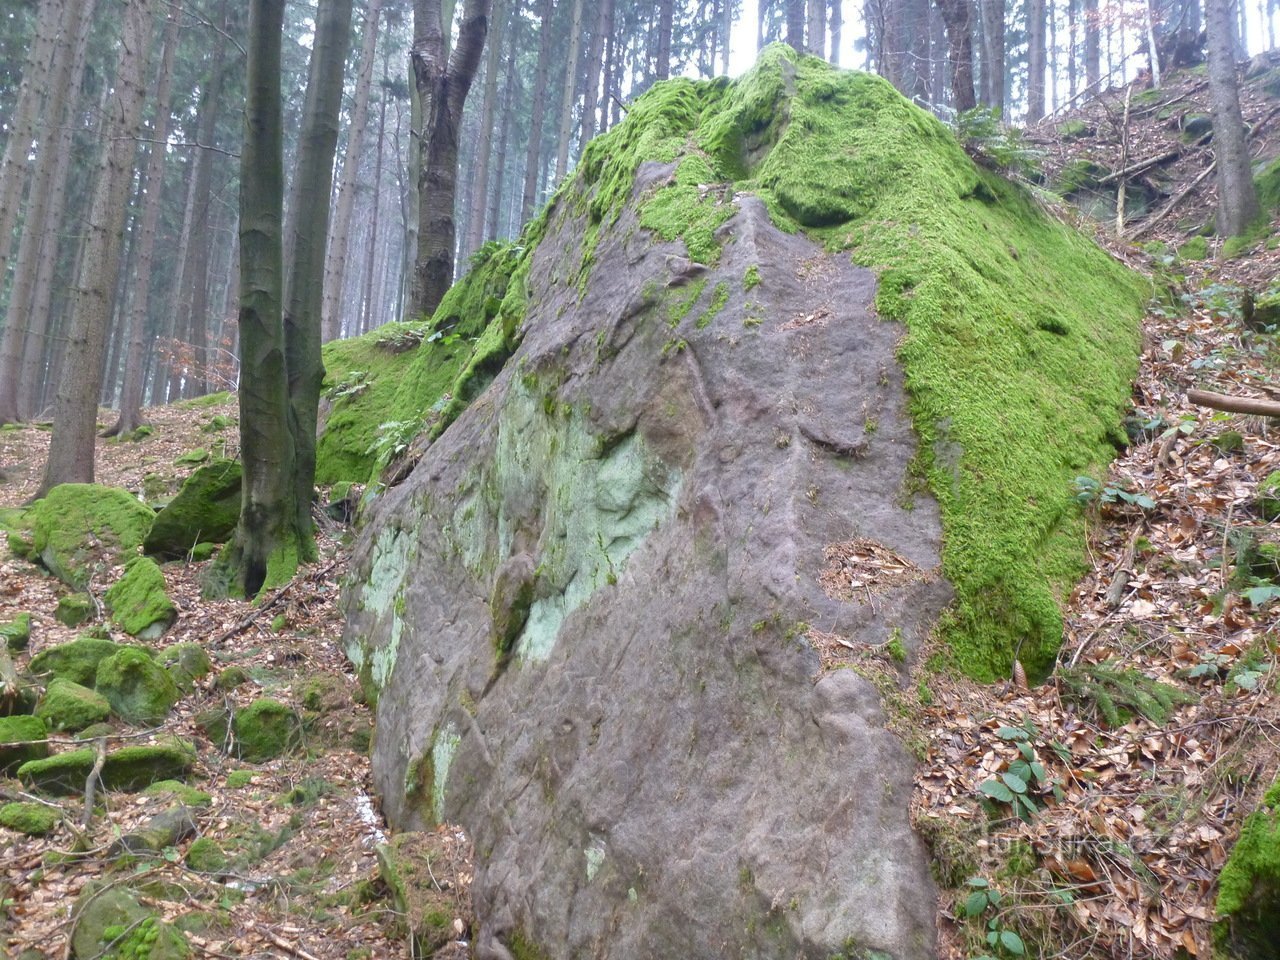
(1237, 199)
(504, 139)
(529, 197)
(795, 24)
(152, 187)
(71, 445)
(837, 24)
(443, 87)
(591, 101)
(816, 38)
(24, 329)
(956, 16)
(568, 97)
(488, 122)
(1035, 60)
(366, 300)
(1073, 58)
(662, 56)
(1092, 46)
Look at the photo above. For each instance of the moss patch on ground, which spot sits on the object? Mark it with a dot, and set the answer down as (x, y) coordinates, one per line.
(1249, 885)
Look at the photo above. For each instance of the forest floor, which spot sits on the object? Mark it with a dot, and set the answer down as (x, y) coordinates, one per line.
(1140, 797)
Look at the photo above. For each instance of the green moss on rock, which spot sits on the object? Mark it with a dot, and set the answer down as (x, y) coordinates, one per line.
(33, 819)
(128, 769)
(186, 663)
(1197, 248)
(111, 924)
(138, 602)
(264, 730)
(67, 705)
(138, 689)
(21, 740)
(74, 609)
(76, 661)
(206, 856)
(1269, 496)
(1249, 885)
(205, 510)
(80, 525)
(179, 791)
(16, 633)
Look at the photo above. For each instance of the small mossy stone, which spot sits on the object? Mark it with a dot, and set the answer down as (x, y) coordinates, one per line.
(264, 730)
(325, 694)
(33, 819)
(1195, 126)
(1266, 310)
(192, 457)
(186, 663)
(231, 677)
(78, 526)
(1249, 885)
(239, 779)
(1269, 496)
(215, 723)
(1197, 248)
(74, 609)
(76, 661)
(21, 741)
(203, 551)
(138, 602)
(206, 856)
(16, 633)
(66, 705)
(62, 773)
(205, 510)
(129, 768)
(176, 789)
(1075, 129)
(138, 689)
(99, 909)
(94, 731)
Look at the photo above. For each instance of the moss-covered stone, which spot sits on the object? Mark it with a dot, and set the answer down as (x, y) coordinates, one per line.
(1249, 885)
(138, 602)
(76, 661)
(1269, 496)
(67, 705)
(206, 856)
(192, 457)
(264, 730)
(111, 924)
(239, 779)
(128, 769)
(1197, 248)
(33, 819)
(74, 609)
(16, 633)
(231, 677)
(21, 740)
(78, 526)
(203, 551)
(138, 689)
(205, 510)
(95, 730)
(186, 663)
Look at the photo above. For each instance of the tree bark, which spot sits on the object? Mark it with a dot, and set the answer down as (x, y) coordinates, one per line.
(795, 24)
(837, 25)
(956, 17)
(662, 57)
(504, 139)
(152, 187)
(71, 445)
(1092, 46)
(1237, 199)
(816, 32)
(1035, 60)
(992, 13)
(595, 53)
(443, 87)
(335, 268)
(529, 196)
(488, 123)
(569, 94)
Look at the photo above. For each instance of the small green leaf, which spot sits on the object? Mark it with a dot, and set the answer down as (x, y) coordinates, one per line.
(1011, 733)
(975, 904)
(1027, 750)
(1038, 771)
(978, 882)
(1014, 782)
(1257, 596)
(997, 791)
(1012, 942)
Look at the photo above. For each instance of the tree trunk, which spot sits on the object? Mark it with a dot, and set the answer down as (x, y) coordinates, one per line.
(24, 328)
(504, 139)
(1092, 46)
(956, 17)
(443, 87)
(152, 187)
(992, 14)
(837, 24)
(71, 445)
(591, 101)
(795, 24)
(1237, 199)
(529, 196)
(488, 122)
(266, 529)
(304, 282)
(1036, 65)
(335, 268)
(662, 56)
(569, 95)
(366, 299)
(816, 38)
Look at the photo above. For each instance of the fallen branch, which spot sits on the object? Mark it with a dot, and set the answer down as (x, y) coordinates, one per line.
(267, 604)
(1124, 572)
(1173, 204)
(1141, 165)
(1221, 401)
(288, 947)
(91, 782)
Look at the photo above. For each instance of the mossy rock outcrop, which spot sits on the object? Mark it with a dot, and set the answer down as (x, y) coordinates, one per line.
(138, 689)
(74, 609)
(21, 740)
(1269, 497)
(186, 663)
(769, 327)
(264, 730)
(78, 527)
(76, 661)
(138, 602)
(1249, 885)
(206, 509)
(67, 705)
(128, 769)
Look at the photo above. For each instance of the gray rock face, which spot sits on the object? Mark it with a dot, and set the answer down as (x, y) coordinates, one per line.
(655, 495)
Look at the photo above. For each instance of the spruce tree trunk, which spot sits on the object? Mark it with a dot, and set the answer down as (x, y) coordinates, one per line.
(504, 140)
(335, 268)
(569, 94)
(992, 13)
(71, 445)
(1237, 198)
(488, 122)
(24, 329)
(795, 24)
(816, 39)
(443, 86)
(837, 23)
(662, 56)
(152, 186)
(1092, 47)
(956, 17)
(591, 100)
(532, 165)
(1035, 60)
(267, 517)
(366, 300)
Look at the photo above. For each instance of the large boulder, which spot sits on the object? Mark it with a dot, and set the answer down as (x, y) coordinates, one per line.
(78, 528)
(606, 619)
(206, 509)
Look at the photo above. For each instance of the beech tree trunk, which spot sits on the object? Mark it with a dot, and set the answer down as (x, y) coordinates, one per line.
(442, 86)
(71, 445)
(956, 16)
(1237, 199)
(152, 188)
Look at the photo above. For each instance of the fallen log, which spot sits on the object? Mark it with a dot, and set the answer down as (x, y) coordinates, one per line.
(1229, 404)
